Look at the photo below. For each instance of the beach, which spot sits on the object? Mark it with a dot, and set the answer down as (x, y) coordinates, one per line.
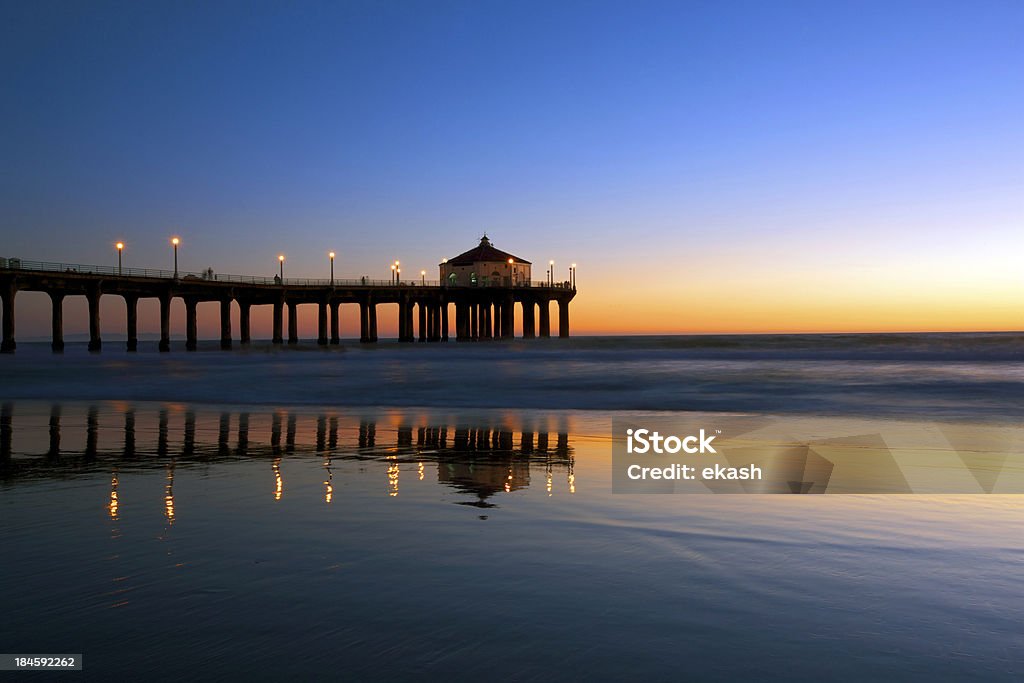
(243, 522)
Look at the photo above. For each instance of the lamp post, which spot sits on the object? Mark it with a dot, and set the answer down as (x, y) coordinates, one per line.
(572, 276)
(120, 248)
(175, 242)
(551, 273)
(393, 273)
(398, 275)
(423, 278)
(280, 263)
(510, 273)
(331, 256)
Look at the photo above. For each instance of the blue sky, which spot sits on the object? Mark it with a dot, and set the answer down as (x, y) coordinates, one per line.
(633, 137)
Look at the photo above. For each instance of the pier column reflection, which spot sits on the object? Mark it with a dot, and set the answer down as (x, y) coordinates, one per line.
(54, 448)
(129, 433)
(92, 432)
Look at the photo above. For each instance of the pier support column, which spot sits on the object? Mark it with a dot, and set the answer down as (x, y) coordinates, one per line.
(293, 322)
(191, 332)
(474, 310)
(225, 324)
(410, 330)
(497, 320)
(131, 305)
(278, 337)
(165, 323)
(57, 322)
(244, 322)
(529, 321)
(433, 329)
(93, 297)
(563, 318)
(364, 322)
(508, 323)
(444, 321)
(372, 322)
(335, 323)
(486, 324)
(321, 323)
(545, 318)
(7, 293)
(423, 321)
(460, 322)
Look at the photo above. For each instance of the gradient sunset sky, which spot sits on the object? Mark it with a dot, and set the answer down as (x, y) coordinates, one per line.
(711, 166)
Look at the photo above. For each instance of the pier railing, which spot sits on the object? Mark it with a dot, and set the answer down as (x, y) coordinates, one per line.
(115, 271)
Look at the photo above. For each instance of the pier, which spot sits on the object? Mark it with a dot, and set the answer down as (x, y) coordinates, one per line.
(481, 312)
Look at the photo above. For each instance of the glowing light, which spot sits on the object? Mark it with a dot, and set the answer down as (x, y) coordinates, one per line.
(119, 245)
(393, 479)
(279, 488)
(175, 241)
(113, 505)
(330, 254)
(169, 495)
(421, 472)
(280, 257)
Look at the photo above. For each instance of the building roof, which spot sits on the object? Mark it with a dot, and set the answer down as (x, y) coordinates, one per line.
(484, 252)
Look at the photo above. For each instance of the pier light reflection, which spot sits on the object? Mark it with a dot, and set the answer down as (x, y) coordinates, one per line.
(392, 477)
(329, 490)
(169, 495)
(279, 483)
(113, 505)
(481, 461)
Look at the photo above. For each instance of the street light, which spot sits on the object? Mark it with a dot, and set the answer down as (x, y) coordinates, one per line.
(572, 276)
(120, 248)
(551, 273)
(510, 273)
(175, 241)
(280, 261)
(423, 277)
(331, 255)
(393, 267)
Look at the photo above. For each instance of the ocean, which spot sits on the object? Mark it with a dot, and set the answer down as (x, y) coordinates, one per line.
(446, 511)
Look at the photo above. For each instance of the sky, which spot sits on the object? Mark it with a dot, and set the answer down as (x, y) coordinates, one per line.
(710, 166)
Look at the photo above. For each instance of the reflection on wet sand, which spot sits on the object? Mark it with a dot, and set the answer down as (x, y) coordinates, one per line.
(483, 460)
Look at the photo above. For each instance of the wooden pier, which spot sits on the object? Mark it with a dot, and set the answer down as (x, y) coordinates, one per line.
(481, 313)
